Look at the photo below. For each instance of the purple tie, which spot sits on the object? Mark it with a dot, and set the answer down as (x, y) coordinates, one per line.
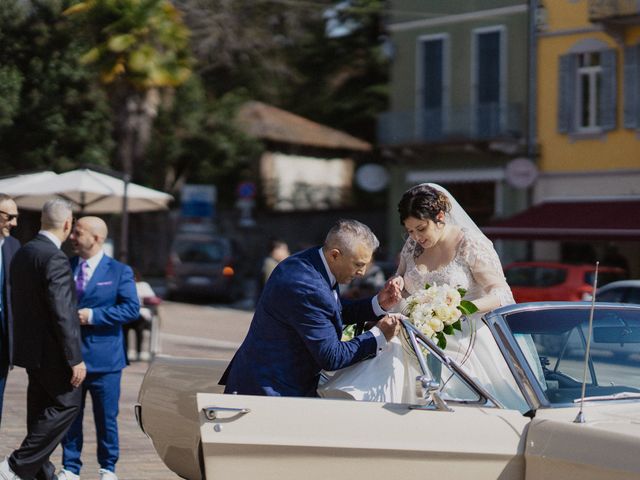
(80, 278)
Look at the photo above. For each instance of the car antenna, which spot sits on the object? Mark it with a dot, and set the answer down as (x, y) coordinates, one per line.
(580, 417)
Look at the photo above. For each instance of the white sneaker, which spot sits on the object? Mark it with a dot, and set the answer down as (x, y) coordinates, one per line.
(132, 355)
(107, 474)
(5, 471)
(145, 356)
(66, 475)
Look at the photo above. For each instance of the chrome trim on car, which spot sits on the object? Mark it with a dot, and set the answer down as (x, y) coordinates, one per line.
(416, 335)
(137, 411)
(211, 412)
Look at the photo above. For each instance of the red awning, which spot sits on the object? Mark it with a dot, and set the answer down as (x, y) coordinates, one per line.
(608, 219)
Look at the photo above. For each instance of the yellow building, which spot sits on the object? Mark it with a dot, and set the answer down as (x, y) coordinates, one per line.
(587, 110)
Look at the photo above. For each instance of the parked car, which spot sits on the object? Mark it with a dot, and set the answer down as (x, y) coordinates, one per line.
(544, 281)
(624, 291)
(201, 433)
(206, 265)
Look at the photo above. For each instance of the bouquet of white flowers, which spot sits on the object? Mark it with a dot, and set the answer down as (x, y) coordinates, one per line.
(436, 310)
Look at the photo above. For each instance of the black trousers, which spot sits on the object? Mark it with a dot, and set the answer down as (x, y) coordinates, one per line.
(52, 405)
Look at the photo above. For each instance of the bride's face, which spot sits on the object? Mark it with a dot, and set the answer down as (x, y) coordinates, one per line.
(424, 232)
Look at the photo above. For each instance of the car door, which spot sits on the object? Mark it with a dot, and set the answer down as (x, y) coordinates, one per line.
(311, 438)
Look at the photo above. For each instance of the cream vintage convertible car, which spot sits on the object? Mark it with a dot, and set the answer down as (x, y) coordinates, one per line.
(201, 433)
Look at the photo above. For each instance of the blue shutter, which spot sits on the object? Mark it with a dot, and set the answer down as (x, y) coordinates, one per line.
(632, 86)
(609, 98)
(567, 68)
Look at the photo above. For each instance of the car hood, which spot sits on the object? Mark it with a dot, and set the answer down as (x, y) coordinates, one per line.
(604, 446)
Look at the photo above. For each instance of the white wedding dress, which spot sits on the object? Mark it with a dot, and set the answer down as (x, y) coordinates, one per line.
(390, 376)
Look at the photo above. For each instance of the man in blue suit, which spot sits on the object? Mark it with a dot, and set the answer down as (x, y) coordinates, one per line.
(297, 326)
(8, 246)
(107, 299)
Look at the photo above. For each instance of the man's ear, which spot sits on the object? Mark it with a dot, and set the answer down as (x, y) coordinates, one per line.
(334, 253)
(440, 217)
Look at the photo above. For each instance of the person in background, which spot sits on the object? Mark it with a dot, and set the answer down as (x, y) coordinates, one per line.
(8, 247)
(278, 251)
(148, 301)
(46, 341)
(107, 299)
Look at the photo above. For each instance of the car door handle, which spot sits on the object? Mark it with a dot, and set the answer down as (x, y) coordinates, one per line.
(211, 412)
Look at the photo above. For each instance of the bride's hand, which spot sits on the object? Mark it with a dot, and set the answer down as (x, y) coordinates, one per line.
(391, 293)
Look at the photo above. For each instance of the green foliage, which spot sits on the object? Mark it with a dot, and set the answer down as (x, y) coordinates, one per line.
(141, 43)
(195, 141)
(52, 116)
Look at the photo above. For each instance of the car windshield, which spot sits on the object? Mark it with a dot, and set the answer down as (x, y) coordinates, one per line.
(603, 277)
(200, 251)
(560, 339)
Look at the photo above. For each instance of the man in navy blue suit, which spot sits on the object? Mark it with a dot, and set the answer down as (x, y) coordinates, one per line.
(107, 299)
(297, 326)
(8, 246)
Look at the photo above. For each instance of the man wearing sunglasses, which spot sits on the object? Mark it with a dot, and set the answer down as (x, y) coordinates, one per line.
(8, 246)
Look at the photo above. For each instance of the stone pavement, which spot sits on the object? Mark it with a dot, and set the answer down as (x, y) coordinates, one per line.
(185, 330)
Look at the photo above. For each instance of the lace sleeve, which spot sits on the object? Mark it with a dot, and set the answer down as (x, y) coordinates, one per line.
(486, 268)
(405, 254)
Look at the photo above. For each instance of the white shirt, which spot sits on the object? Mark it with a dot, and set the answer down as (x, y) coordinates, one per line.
(377, 309)
(56, 241)
(92, 264)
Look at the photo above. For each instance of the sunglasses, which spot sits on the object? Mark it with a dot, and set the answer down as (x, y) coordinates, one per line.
(10, 216)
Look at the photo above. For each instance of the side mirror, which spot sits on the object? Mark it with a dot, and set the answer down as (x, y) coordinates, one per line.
(428, 392)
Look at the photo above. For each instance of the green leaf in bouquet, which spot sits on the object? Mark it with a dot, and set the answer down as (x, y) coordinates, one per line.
(348, 332)
(442, 340)
(427, 286)
(457, 325)
(448, 329)
(462, 291)
(467, 307)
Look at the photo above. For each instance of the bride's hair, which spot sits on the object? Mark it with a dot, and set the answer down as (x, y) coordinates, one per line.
(423, 202)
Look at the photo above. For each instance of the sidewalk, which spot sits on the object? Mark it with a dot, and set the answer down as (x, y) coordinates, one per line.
(185, 330)
(138, 459)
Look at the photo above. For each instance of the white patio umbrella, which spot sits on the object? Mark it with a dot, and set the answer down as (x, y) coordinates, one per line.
(17, 183)
(89, 191)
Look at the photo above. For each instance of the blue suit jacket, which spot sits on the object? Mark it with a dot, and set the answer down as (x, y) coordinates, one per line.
(9, 248)
(295, 333)
(111, 293)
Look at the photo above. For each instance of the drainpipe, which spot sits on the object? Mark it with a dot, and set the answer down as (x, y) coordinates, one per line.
(532, 114)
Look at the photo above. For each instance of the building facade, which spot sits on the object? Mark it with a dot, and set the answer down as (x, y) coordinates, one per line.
(458, 106)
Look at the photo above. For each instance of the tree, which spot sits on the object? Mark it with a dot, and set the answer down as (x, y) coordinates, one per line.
(138, 48)
(51, 114)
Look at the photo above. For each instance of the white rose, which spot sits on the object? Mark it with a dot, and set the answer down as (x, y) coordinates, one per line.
(436, 324)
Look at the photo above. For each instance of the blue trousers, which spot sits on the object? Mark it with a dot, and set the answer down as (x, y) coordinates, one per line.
(4, 371)
(104, 389)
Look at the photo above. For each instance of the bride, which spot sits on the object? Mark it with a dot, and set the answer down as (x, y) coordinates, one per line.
(443, 246)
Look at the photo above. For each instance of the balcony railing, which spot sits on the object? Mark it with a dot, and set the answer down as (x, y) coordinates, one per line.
(485, 122)
(607, 10)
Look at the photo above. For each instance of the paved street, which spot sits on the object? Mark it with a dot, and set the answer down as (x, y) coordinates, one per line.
(185, 330)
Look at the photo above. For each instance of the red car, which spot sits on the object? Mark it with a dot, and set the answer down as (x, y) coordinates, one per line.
(542, 281)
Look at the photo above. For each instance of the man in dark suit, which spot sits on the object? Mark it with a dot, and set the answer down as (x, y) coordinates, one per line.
(296, 329)
(46, 340)
(107, 299)
(8, 247)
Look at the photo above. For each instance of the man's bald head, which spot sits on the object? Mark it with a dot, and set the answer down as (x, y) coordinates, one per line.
(88, 236)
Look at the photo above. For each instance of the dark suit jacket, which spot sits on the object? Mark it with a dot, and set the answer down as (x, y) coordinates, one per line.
(111, 293)
(9, 248)
(46, 331)
(295, 333)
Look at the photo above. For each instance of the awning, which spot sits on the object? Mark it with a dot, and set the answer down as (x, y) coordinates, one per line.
(610, 219)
